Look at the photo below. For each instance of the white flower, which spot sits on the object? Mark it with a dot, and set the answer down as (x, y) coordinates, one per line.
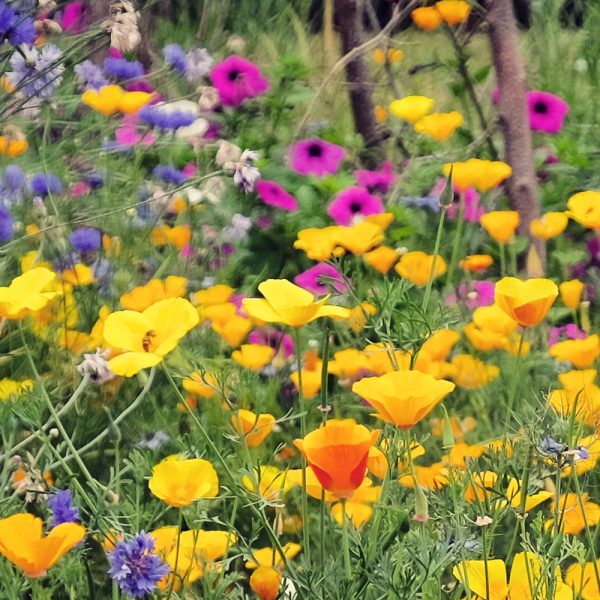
(227, 152)
(96, 366)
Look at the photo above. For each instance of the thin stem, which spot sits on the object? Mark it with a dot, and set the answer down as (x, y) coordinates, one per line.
(457, 242)
(502, 260)
(515, 381)
(346, 541)
(436, 252)
(175, 574)
(485, 564)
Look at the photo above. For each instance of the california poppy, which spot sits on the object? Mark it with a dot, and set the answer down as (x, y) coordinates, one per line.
(549, 225)
(181, 481)
(571, 292)
(426, 17)
(500, 224)
(289, 304)
(417, 266)
(411, 108)
(584, 207)
(337, 453)
(252, 427)
(403, 398)
(26, 293)
(439, 126)
(526, 302)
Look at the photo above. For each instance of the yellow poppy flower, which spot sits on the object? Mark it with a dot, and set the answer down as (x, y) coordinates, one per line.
(382, 259)
(268, 482)
(204, 385)
(403, 398)
(571, 292)
(106, 100)
(526, 302)
(514, 496)
(9, 388)
(131, 102)
(440, 344)
(253, 356)
(252, 427)
(25, 294)
(580, 353)
(584, 401)
(140, 298)
(416, 266)
(233, 330)
(311, 376)
(461, 451)
(347, 364)
(214, 295)
(549, 225)
(23, 543)
(591, 444)
(181, 481)
(147, 337)
(500, 224)
(583, 580)
(412, 108)
(575, 513)
(439, 126)
(359, 315)
(584, 208)
(358, 238)
(318, 243)
(270, 557)
(426, 17)
(454, 12)
(471, 373)
(480, 174)
(178, 236)
(433, 477)
(359, 508)
(12, 146)
(289, 304)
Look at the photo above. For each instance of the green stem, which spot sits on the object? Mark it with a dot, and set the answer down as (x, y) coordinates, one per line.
(436, 253)
(502, 260)
(457, 243)
(174, 573)
(485, 564)
(346, 542)
(515, 381)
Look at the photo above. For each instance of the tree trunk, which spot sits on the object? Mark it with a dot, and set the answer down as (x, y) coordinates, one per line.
(360, 86)
(514, 119)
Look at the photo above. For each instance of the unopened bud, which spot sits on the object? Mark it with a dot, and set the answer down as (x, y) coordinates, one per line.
(447, 433)
(585, 315)
(421, 505)
(53, 433)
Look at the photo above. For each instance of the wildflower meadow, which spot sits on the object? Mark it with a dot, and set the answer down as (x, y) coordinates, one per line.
(299, 299)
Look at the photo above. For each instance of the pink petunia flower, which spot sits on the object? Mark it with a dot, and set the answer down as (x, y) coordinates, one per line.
(354, 202)
(238, 80)
(319, 280)
(377, 182)
(273, 194)
(316, 157)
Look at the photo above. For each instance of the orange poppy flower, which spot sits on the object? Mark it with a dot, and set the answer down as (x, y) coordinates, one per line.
(475, 263)
(252, 427)
(454, 12)
(526, 302)
(416, 267)
(571, 292)
(500, 224)
(426, 17)
(337, 453)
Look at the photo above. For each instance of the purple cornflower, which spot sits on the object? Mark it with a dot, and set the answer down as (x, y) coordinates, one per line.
(169, 174)
(121, 68)
(198, 64)
(44, 184)
(158, 116)
(37, 74)
(316, 157)
(86, 239)
(61, 505)
(6, 224)
(319, 280)
(273, 194)
(353, 202)
(175, 57)
(547, 112)
(90, 76)
(135, 567)
(15, 28)
(238, 80)
(377, 182)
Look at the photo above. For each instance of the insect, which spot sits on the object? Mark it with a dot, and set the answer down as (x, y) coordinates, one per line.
(147, 340)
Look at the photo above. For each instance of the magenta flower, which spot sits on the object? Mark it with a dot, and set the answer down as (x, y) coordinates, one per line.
(316, 157)
(377, 182)
(473, 295)
(279, 341)
(74, 16)
(238, 80)
(547, 112)
(352, 202)
(273, 194)
(318, 280)
(566, 332)
(129, 136)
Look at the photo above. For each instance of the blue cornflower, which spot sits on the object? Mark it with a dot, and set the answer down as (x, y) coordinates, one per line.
(176, 57)
(164, 118)
(121, 68)
(135, 567)
(6, 224)
(90, 76)
(37, 74)
(11, 184)
(61, 505)
(86, 239)
(549, 446)
(44, 184)
(94, 179)
(15, 28)
(169, 174)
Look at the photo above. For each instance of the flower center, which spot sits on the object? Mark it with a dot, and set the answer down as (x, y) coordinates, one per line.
(315, 150)
(233, 75)
(355, 207)
(541, 108)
